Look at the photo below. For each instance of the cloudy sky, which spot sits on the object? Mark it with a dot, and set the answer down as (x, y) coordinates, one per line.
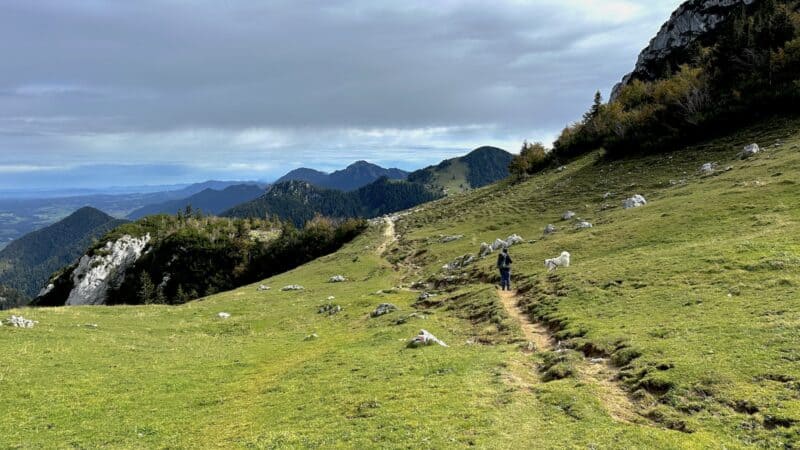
(100, 93)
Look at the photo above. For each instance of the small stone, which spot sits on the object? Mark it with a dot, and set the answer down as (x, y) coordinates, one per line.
(708, 168)
(750, 150)
(311, 337)
(583, 224)
(568, 215)
(550, 229)
(446, 239)
(263, 288)
(383, 309)
(224, 315)
(337, 279)
(292, 287)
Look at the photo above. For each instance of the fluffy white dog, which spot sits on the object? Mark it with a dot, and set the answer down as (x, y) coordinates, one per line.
(554, 263)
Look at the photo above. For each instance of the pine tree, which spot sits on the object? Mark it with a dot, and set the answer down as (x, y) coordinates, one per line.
(147, 289)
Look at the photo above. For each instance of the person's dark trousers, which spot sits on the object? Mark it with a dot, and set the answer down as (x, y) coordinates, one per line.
(505, 279)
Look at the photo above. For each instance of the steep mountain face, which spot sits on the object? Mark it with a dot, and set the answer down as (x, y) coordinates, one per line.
(209, 201)
(353, 177)
(300, 201)
(27, 262)
(481, 167)
(693, 22)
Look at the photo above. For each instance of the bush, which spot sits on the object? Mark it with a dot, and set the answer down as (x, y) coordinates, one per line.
(532, 158)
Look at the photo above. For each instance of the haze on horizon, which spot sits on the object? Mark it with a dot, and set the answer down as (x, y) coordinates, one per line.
(96, 93)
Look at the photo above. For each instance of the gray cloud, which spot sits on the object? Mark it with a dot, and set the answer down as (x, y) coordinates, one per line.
(196, 83)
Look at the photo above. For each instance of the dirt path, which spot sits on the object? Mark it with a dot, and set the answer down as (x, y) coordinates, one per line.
(599, 372)
(389, 236)
(534, 332)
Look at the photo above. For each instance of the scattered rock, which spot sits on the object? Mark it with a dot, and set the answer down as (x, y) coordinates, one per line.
(383, 309)
(292, 287)
(583, 224)
(550, 229)
(424, 296)
(263, 288)
(561, 168)
(446, 239)
(223, 315)
(750, 150)
(459, 263)
(311, 337)
(20, 322)
(404, 319)
(568, 215)
(423, 339)
(634, 202)
(337, 279)
(514, 239)
(329, 309)
(708, 168)
(607, 195)
(498, 244)
(331, 298)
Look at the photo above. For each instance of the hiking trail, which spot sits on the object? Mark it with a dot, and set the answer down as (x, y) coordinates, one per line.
(389, 235)
(599, 372)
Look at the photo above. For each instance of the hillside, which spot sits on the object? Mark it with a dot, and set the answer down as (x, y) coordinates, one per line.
(479, 168)
(675, 323)
(300, 201)
(209, 201)
(354, 176)
(9, 298)
(26, 263)
(175, 259)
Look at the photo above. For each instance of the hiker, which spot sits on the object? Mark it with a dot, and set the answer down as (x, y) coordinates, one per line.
(504, 264)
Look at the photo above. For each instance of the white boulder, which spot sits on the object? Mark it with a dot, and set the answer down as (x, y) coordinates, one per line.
(550, 229)
(634, 202)
(750, 150)
(708, 168)
(423, 339)
(337, 279)
(224, 315)
(21, 322)
(568, 215)
(263, 288)
(583, 224)
(292, 287)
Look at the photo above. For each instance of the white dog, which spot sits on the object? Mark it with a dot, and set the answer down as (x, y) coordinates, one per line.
(554, 263)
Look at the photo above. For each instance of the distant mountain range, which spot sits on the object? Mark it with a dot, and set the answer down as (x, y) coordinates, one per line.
(209, 201)
(300, 201)
(481, 167)
(27, 263)
(356, 175)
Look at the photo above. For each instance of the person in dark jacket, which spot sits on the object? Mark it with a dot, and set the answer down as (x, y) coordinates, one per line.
(504, 264)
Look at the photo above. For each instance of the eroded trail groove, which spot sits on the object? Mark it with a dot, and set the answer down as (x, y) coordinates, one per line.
(598, 371)
(533, 332)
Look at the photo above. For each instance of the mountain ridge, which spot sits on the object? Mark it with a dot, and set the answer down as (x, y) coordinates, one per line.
(354, 176)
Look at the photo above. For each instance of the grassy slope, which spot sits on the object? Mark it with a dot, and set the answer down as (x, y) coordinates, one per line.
(180, 377)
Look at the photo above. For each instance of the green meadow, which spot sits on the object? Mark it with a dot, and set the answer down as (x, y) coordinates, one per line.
(676, 326)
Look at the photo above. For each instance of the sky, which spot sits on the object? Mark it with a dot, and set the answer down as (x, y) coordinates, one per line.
(100, 93)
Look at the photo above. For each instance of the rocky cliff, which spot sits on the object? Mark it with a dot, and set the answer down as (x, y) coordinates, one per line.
(692, 22)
